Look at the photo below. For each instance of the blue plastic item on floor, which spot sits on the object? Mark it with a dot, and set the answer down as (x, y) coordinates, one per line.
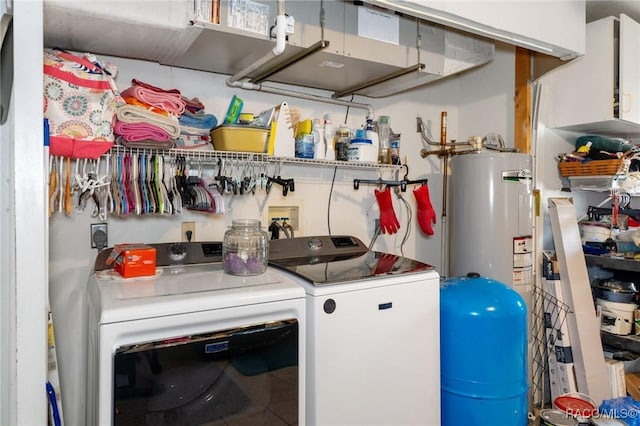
(623, 408)
(483, 353)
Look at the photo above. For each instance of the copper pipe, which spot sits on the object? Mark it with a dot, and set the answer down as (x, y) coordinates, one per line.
(445, 165)
(443, 128)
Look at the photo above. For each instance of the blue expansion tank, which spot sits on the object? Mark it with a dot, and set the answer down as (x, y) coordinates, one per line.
(483, 353)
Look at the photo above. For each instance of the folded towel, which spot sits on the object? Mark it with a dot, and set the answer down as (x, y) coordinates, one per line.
(198, 120)
(140, 131)
(201, 143)
(154, 88)
(145, 143)
(134, 114)
(194, 131)
(193, 105)
(167, 100)
(135, 101)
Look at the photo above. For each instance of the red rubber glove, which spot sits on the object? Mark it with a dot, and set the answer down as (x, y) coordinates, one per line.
(426, 215)
(388, 221)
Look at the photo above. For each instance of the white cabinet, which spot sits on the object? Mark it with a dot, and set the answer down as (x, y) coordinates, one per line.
(600, 92)
(144, 30)
(553, 28)
(167, 32)
(358, 54)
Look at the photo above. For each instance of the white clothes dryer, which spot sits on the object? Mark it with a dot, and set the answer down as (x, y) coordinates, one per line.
(373, 332)
(193, 345)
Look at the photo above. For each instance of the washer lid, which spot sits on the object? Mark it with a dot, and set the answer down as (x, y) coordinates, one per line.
(334, 259)
(337, 269)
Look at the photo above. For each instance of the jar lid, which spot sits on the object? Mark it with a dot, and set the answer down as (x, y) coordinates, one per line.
(245, 222)
(361, 140)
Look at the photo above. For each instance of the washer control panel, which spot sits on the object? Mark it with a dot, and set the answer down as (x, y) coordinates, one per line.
(313, 246)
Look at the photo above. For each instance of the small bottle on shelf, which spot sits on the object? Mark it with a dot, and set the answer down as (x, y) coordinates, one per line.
(319, 145)
(371, 134)
(394, 152)
(342, 142)
(328, 138)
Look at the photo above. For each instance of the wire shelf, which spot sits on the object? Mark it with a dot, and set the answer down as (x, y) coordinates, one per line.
(255, 157)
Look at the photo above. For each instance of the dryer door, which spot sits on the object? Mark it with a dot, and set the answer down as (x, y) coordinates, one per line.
(202, 379)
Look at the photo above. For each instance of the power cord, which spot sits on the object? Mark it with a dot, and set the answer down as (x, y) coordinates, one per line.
(287, 227)
(335, 169)
(405, 238)
(274, 230)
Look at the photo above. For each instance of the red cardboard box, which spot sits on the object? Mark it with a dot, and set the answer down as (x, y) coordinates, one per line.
(134, 260)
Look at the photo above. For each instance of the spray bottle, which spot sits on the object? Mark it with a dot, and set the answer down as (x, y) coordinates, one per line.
(328, 138)
(319, 146)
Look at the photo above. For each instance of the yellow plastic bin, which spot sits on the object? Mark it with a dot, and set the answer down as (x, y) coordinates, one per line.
(239, 138)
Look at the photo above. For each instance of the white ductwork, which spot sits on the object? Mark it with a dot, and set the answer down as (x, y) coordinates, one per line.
(326, 51)
(237, 81)
(278, 49)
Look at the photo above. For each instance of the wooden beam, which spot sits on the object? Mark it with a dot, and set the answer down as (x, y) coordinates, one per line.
(522, 101)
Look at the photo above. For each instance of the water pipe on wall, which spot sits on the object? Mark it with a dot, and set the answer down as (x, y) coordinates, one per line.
(445, 150)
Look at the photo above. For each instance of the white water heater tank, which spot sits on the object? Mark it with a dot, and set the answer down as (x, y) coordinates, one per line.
(490, 216)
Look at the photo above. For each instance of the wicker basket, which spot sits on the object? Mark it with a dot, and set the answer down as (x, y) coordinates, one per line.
(592, 168)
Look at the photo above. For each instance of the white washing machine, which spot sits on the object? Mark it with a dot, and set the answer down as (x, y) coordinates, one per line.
(193, 345)
(373, 332)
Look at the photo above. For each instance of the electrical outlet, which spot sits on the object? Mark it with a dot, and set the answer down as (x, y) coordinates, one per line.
(99, 235)
(185, 229)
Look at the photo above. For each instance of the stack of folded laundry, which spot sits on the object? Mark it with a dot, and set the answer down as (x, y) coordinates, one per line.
(195, 126)
(157, 118)
(149, 119)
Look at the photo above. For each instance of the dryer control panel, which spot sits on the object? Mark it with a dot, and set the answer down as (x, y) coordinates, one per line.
(167, 254)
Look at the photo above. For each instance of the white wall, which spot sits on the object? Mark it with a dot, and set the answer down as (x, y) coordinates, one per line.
(477, 102)
(486, 101)
(7, 294)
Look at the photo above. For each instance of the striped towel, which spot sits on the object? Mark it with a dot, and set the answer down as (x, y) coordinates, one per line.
(195, 142)
(133, 114)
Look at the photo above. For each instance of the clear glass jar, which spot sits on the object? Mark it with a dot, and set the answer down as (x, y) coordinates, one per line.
(245, 249)
(384, 133)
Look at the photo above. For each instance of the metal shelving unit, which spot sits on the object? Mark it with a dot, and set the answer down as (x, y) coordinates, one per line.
(257, 157)
(616, 263)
